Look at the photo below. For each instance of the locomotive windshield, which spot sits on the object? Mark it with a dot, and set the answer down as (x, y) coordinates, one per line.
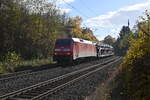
(63, 42)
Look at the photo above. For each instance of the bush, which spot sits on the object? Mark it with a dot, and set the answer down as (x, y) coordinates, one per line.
(11, 60)
(136, 67)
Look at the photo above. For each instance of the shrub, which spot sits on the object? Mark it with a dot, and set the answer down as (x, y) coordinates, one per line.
(11, 60)
(136, 65)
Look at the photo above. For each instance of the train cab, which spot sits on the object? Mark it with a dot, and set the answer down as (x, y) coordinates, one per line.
(63, 50)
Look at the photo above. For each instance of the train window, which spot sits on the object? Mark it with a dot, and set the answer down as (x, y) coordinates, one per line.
(63, 42)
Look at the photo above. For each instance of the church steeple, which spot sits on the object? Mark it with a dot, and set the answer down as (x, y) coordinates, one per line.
(128, 23)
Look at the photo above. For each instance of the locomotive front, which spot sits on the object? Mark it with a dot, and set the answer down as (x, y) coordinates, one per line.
(63, 50)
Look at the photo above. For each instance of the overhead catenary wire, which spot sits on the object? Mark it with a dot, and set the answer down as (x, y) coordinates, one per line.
(86, 6)
(76, 9)
(80, 11)
(90, 10)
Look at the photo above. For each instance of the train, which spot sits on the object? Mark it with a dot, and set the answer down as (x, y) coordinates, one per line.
(68, 50)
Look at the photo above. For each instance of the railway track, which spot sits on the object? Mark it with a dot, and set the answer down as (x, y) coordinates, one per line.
(51, 86)
(11, 76)
(19, 81)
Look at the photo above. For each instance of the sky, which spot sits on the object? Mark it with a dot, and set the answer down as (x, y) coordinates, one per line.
(105, 17)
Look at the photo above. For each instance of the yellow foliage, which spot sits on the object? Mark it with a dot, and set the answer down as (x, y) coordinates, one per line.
(77, 30)
(90, 37)
(137, 64)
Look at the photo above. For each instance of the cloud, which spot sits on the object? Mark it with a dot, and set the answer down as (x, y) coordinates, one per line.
(64, 1)
(136, 7)
(100, 38)
(60, 3)
(120, 16)
(115, 30)
(64, 10)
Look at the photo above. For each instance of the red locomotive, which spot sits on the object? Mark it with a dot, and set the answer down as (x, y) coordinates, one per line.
(71, 49)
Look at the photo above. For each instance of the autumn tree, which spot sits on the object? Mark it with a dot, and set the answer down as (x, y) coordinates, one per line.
(135, 74)
(88, 34)
(30, 27)
(76, 30)
(109, 40)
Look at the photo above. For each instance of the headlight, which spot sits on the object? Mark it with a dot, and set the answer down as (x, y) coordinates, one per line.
(66, 49)
(57, 49)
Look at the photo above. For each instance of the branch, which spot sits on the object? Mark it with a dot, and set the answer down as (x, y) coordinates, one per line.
(144, 31)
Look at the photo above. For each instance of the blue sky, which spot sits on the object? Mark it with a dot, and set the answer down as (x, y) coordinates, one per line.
(105, 17)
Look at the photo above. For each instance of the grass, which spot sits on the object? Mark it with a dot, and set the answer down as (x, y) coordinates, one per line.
(7, 67)
(36, 62)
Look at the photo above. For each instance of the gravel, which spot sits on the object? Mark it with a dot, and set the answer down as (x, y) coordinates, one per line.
(40, 76)
(84, 88)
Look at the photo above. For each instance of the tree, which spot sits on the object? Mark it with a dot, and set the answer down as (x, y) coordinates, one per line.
(109, 40)
(136, 64)
(125, 30)
(30, 27)
(134, 77)
(88, 34)
(122, 44)
(76, 30)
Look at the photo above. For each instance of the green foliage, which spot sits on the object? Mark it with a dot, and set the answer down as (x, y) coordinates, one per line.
(109, 40)
(136, 66)
(12, 57)
(7, 67)
(30, 28)
(30, 32)
(10, 61)
(122, 44)
(2, 68)
(36, 62)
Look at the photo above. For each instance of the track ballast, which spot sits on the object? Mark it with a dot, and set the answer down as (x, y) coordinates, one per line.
(51, 86)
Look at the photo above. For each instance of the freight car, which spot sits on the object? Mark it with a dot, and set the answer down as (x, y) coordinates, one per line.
(104, 50)
(72, 49)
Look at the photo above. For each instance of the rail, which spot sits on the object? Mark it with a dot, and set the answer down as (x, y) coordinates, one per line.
(52, 85)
